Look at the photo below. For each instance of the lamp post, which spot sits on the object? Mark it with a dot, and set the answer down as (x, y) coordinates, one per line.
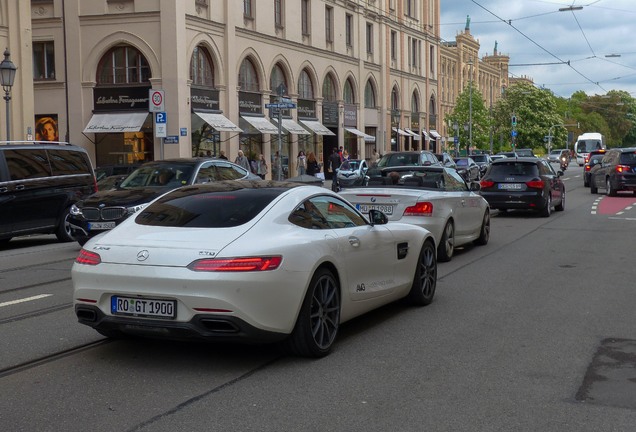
(470, 109)
(7, 76)
(456, 138)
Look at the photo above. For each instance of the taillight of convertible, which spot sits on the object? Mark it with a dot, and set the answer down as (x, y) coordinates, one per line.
(485, 184)
(88, 258)
(239, 264)
(419, 209)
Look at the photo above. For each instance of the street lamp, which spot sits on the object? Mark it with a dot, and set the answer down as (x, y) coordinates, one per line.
(7, 76)
(470, 109)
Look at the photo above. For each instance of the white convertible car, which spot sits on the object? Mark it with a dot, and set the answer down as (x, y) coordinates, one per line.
(249, 261)
(435, 198)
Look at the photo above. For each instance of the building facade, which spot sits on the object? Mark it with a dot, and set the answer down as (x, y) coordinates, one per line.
(460, 65)
(137, 80)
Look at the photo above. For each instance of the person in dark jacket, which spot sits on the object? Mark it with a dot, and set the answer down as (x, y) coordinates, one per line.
(312, 164)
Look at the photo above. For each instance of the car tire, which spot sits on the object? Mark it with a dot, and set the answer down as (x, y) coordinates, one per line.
(609, 189)
(446, 247)
(561, 205)
(425, 279)
(586, 182)
(63, 231)
(319, 318)
(484, 232)
(547, 210)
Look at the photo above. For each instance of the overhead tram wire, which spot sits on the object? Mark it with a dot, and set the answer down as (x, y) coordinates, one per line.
(509, 22)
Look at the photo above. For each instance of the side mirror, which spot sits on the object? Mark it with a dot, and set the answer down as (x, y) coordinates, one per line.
(475, 186)
(559, 173)
(376, 217)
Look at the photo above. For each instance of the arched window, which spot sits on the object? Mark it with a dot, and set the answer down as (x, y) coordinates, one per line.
(277, 78)
(415, 103)
(329, 89)
(395, 99)
(123, 65)
(201, 68)
(248, 79)
(305, 86)
(347, 93)
(369, 95)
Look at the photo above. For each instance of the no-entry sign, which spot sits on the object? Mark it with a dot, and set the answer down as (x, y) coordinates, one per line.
(156, 100)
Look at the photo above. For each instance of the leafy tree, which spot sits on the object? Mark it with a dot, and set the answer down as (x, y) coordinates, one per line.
(461, 115)
(536, 111)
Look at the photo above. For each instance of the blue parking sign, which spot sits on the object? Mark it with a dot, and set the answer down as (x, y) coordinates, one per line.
(161, 117)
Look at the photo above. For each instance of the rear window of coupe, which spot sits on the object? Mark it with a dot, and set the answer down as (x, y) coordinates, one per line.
(195, 207)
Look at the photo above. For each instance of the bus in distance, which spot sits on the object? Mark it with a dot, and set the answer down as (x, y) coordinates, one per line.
(586, 143)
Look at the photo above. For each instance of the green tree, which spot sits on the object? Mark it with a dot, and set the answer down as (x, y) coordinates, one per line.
(461, 116)
(537, 115)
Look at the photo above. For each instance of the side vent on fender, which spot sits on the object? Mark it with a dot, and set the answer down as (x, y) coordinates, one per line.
(402, 250)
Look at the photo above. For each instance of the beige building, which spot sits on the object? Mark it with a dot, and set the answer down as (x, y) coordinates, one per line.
(459, 65)
(137, 80)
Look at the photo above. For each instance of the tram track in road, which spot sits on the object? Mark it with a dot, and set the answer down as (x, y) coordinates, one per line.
(36, 313)
(50, 358)
(30, 266)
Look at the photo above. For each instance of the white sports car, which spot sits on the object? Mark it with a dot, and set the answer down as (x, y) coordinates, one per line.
(250, 261)
(435, 198)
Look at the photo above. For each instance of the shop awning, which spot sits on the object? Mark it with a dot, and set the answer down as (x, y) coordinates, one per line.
(261, 124)
(116, 122)
(416, 136)
(316, 127)
(367, 138)
(219, 122)
(426, 135)
(292, 127)
(401, 132)
(434, 133)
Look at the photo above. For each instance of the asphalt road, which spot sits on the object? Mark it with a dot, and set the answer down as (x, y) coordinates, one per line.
(533, 332)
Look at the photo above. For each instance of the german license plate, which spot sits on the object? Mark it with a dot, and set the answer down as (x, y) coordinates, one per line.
(384, 208)
(99, 226)
(510, 186)
(143, 307)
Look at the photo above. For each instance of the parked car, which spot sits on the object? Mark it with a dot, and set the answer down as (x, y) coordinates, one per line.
(496, 157)
(592, 163)
(353, 173)
(104, 171)
(483, 162)
(468, 169)
(616, 173)
(523, 183)
(435, 198)
(231, 261)
(446, 160)
(403, 158)
(39, 182)
(106, 209)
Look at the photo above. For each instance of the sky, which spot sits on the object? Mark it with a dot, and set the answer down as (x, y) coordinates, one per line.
(541, 40)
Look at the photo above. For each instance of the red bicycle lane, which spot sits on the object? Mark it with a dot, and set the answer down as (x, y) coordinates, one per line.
(615, 205)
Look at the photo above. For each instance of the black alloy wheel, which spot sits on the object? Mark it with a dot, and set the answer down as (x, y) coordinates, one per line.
(425, 279)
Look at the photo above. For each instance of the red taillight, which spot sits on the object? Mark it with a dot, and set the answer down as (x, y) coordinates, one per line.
(587, 167)
(485, 184)
(419, 209)
(88, 258)
(242, 264)
(623, 168)
(536, 184)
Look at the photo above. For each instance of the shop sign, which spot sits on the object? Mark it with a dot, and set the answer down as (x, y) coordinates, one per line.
(204, 99)
(306, 108)
(250, 103)
(120, 98)
(330, 114)
(350, 115)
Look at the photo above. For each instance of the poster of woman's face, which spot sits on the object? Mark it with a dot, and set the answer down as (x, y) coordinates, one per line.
(46, 128)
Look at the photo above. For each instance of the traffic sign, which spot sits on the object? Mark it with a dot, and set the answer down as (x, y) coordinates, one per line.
(281, 105)
(157, 100)
(161, 117)
(456, 139)
(171, 139)
(514, 133)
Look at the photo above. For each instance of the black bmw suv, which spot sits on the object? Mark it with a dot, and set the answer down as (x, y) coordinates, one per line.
(105, 210)
(616, 173)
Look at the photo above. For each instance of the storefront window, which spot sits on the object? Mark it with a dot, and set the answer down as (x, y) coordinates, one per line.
(201, 68)
(369, 95)
(348, 94)
(123, 65)
(248, 79)
(329, 89)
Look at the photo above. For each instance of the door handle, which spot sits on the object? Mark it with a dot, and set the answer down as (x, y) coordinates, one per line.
(19, 187)
(354, 241)
(3, 189)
